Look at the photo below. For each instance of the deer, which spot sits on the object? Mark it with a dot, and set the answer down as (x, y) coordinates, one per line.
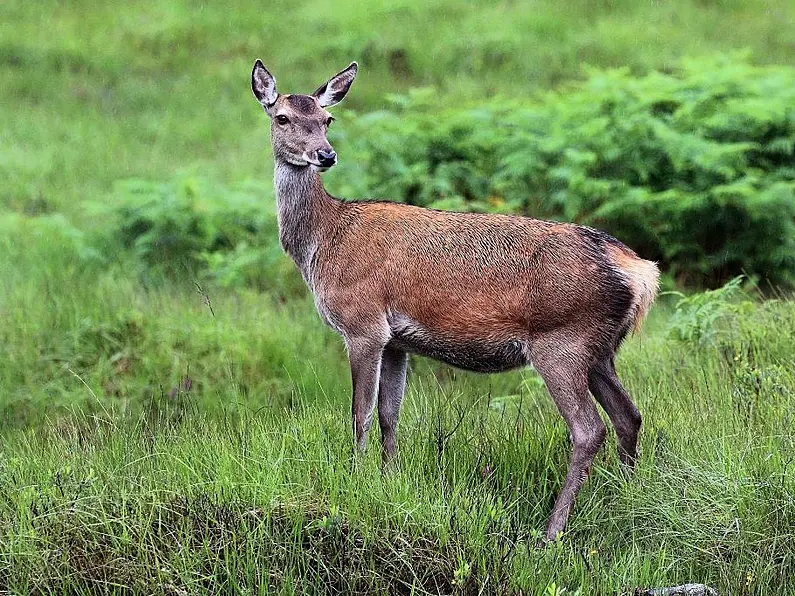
(481, 292)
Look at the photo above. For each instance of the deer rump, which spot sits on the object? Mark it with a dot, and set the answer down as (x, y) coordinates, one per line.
(477, 291)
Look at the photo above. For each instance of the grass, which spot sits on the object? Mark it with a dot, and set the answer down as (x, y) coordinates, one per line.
(94, 92)
(177, 501)
(119, 475)
(151, 442)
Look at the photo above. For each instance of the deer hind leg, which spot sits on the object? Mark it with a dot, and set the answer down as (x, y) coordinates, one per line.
(566, 378)
(606, 388)
(391, 387)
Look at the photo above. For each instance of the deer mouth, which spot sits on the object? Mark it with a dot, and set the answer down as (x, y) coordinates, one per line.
(318, 165)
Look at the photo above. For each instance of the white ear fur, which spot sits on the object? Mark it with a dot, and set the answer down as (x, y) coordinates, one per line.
(263, 85)
(337, 86)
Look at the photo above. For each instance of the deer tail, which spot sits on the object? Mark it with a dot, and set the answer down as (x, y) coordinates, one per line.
(643, 278)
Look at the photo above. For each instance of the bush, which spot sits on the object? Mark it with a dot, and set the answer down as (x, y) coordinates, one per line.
(694, 169)
(193, 228)
(703, 317)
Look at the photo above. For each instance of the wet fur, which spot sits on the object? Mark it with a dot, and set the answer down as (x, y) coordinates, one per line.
(474, 290)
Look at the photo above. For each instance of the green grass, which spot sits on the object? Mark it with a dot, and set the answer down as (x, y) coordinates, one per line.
(177, 499)
(152, 443)
(243, 477)
(66, 322)
(93, 92)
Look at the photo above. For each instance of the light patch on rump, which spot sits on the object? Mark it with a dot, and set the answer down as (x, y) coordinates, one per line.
(478, 355)
(643, 278)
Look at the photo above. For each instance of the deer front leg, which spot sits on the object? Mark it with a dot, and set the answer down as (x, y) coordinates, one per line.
(390, 394)
(365, 359)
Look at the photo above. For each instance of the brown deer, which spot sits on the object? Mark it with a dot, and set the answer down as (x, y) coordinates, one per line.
(481, 292)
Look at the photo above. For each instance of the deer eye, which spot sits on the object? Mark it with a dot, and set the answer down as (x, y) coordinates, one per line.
(282, 119)
(329, 121)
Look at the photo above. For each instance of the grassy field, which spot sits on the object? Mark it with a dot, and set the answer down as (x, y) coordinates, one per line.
(93, 92)
(214, 483)
(160, 438)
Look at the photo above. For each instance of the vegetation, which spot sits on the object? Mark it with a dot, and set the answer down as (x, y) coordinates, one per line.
(694, 169)
(95, 92)
(201, 484)
(174, 415)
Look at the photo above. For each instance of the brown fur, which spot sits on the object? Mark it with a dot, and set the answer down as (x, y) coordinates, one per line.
(482, 292)
(458, 274)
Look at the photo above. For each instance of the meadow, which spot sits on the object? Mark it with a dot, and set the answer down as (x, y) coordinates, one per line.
(174, 417)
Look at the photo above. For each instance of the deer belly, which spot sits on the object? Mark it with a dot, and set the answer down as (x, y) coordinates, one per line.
(485, 355)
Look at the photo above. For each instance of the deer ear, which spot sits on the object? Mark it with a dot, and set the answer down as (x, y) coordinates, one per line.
(337, 86)
(263, 85)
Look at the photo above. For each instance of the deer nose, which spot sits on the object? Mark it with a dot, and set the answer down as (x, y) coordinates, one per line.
(326, 158)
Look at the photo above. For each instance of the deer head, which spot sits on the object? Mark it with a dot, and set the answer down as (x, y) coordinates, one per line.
(300, 123)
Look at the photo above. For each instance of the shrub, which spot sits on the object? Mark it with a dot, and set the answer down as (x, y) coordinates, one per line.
(704, 316)
(190, 227)
(694, 169)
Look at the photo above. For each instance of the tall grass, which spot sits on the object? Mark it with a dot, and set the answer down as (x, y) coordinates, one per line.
(98, 336)
(214, 454)
(172, 504)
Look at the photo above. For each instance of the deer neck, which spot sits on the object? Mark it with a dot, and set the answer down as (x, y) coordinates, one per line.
(304, 210)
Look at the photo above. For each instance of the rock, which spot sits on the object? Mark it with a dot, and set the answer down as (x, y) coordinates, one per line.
(684, 590)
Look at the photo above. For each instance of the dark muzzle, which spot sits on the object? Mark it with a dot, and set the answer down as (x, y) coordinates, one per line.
(326, 158)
